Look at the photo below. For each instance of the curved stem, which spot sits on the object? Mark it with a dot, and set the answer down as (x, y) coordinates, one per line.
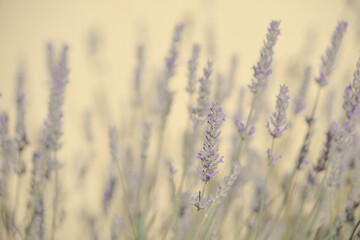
(353, 232)
(56, 196)
(243, 138)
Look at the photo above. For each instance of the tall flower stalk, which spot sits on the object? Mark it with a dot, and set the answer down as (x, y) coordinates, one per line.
(59, 79)
(326, 68)
(262, 71)
(278, 126)
(21, 139)
(208, 156)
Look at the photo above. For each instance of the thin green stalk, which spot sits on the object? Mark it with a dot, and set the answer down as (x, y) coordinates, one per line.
(309, 224)
(297, 224)
(316, 102)
(210, 222)
(17, 192)
(243, 138)
(286, 197)
(197, 213)
(56, 196)
(268, 170)
(331, 194)
(354, 230)
(127, 205)
(262, 203)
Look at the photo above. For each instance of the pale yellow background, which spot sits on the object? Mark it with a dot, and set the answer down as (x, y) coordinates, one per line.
(102, 83)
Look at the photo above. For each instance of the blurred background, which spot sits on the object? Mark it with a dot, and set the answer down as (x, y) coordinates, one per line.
(102, 38)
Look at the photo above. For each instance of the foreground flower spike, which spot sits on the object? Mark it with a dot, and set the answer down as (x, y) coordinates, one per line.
(327, 62)
(59, 79)
(209, 155)
(278, 118)
(262, 69)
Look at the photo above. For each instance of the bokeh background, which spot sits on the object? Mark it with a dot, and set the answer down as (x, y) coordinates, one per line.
(102, 37)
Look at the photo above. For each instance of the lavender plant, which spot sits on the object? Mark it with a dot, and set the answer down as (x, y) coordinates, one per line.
(148, 185)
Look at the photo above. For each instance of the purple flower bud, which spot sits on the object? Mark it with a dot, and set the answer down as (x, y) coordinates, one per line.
(334, 127)
(347, 126)
(251, 131)
(240, 126)
(278, 118)
(262, 68)
(209, 156)
(271, 158)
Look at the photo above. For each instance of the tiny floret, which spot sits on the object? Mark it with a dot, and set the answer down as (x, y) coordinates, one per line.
(278, 118)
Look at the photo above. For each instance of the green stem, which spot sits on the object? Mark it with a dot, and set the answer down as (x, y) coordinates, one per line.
(268, 170)
(243, 138)
(197, 213)
(56, 196)
(316, 102)
(17, 191)
(309, 224)
(209, 224)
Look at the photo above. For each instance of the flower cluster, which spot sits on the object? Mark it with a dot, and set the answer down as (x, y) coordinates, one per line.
(170, 60)
(223, 188)
(323, 159)
(352, 95)
(262, 69)
(278, 118)
(203, 100)
(21, 135)
(59, 78)
(192, 67)
(240, 126)
(327, 62)
(209, 155)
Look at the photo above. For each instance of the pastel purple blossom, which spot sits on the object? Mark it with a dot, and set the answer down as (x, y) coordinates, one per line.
(278, 118)
(272, 159)
(192, 67)
(262, 68)
(173, 55)
(239, 125)
(328, 61)
(351, 97)
(251, 131)
(203, 100)
(59, 79)
(209, 156)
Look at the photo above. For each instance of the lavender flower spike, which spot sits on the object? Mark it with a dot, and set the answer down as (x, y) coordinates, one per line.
(209, 155)
(59, 78)
(327, 62)
(192, 67)
(170, 60)
(278, 118)
(21, 135)
(262, 69)
(352, 95)
(203, 100)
